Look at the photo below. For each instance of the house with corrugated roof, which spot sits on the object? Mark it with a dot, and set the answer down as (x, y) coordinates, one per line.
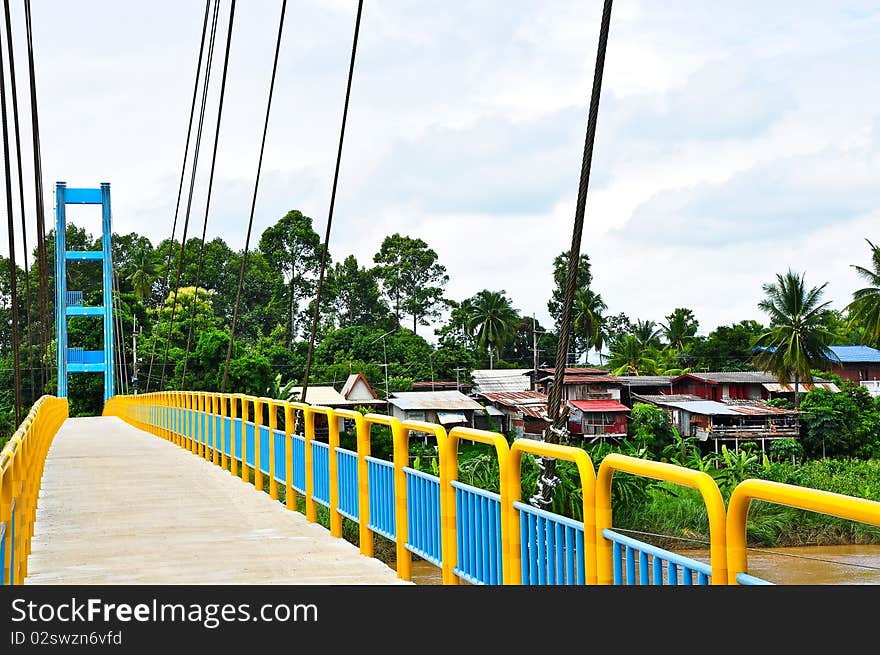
(598, 418)
(741, 385)
(520, 412)
(447, 408)
(856, 363)
(730, 422)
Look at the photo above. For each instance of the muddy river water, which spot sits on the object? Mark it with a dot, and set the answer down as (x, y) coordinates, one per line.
(799, 565)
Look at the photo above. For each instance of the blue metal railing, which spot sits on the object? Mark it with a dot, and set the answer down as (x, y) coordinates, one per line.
(551, 548)
(656, 566)
(381, 485)
(746, 579)
(478, 534)
(74, 298)
(321, 472)
(280, 472)
(299, 463)
(347, 473)
(75, 355)
(423, 515)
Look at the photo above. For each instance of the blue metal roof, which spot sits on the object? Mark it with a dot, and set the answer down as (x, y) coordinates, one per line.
(856, 353)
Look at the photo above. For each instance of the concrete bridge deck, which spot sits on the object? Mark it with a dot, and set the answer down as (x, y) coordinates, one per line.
(121, 506)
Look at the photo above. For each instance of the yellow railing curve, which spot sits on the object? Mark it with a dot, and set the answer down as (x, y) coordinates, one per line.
(699, 480)
(813, 500)
(21, 470)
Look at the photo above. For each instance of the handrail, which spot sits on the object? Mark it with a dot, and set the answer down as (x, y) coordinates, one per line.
(182, 418)
(699, 480)
(21, 470)
(813, 500)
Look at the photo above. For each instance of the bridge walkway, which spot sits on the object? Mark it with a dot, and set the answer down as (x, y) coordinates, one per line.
(120, 506)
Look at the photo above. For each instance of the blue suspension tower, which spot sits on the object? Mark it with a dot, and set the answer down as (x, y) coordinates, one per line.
(70, 303)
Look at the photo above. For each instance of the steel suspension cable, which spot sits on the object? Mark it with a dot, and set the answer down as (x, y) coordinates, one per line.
(548, 480)
(325, 250)
(42, 256)
(244, 257)
(27, 283)
(192, 113)
(13, 277)
(192, 184)
(210, 189)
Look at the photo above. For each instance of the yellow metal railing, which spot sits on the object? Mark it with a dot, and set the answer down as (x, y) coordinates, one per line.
(21, 471)
(159, 413)
(813, 500)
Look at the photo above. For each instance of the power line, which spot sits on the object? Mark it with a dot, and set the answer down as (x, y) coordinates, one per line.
(13, 281)
(27, 284)
(324, 251)
(254, 200)
(192, 184)
(192, 113)
(210, 188)
(42, 256)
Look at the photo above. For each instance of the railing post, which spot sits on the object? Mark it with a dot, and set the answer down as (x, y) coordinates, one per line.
(224, 461)
(400, 440)
(363, 450)
(289, 493)
(245, 476)
(193, 437)
(311, 508)
(273, 425)
(333, 472)
(258, 423)
(233, 418)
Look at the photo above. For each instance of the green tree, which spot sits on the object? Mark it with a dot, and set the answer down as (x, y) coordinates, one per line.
(796, 341)
(650, 428)
(647, 333)
(142, 271)
(844, 424)
(492, 320)
(587, 319)
(680, 328)
(629, 356)
(864, 309)
(353, 292)
(560, 278)
(412, 278)
(726, 348)
(293, 247)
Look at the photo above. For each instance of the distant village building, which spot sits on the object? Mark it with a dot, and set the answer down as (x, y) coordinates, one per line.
(741, 385)
(598, 419)
(520, 412)
(358, 391)
(730, 422)
(447, 408)
(856, 363)
(501, 380)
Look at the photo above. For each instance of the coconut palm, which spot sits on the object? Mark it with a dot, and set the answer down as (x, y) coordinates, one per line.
(629, 356)
(144, 273)
(797, 339)
(492, 319)
(864, 310)
(587, 318)
(680, 328)
(647, 333)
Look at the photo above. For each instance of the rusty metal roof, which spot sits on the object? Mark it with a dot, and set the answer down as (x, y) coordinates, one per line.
(501, 379)
(530, 403)
(443, 400)
(803, 387)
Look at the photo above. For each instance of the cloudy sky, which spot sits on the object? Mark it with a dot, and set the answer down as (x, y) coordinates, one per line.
(735, 139)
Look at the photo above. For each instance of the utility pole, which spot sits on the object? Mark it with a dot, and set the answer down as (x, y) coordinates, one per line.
(535, 351)
(134, 353)
(457, 385)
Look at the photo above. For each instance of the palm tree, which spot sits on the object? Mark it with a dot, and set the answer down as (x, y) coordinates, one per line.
(492, 319)
(680, 328)
(143, 274)
(797, 339)
(587, 318)
(629, 356)
(647, 333)
(865, 306)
